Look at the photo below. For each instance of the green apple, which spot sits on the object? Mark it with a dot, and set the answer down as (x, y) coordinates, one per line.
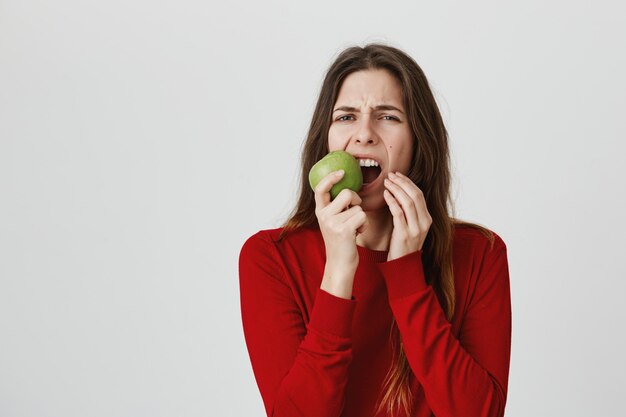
(334, 161)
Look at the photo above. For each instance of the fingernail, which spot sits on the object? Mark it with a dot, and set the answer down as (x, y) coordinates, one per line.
(339, 173)
(392, 175)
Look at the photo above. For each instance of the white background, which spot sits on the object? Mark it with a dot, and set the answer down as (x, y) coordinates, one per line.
(142, 142)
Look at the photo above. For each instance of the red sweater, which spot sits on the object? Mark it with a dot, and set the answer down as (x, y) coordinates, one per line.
(315, 354)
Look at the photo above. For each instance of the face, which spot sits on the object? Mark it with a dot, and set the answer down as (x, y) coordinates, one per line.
(369, 121)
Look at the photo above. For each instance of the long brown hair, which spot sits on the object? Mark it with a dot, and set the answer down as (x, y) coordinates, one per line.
(430, 171)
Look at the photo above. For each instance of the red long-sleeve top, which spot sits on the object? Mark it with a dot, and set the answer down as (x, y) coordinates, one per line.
(317, 355)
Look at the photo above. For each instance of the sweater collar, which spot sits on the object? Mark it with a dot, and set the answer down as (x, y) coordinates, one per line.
(372, 255)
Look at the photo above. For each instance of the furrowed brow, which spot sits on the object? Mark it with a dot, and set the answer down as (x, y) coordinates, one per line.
(355, 110)
(388, 107)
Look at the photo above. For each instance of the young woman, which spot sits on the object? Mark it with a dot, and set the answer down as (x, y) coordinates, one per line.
(378, 303)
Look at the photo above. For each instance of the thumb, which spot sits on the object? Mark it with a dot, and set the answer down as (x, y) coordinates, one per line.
(363, 227)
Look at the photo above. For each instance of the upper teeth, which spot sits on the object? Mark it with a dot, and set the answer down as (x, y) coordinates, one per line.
(368, 163)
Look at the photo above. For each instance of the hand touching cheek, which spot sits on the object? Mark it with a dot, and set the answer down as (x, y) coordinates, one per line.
(411, 220)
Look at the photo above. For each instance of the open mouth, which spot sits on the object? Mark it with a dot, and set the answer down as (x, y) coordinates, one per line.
(370, 173)
(370, 170)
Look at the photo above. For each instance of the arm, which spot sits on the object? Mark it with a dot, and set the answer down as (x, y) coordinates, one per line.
(300, 370)
(466, 376)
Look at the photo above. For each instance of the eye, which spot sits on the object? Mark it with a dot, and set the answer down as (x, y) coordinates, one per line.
(392, 118)
(341, 118)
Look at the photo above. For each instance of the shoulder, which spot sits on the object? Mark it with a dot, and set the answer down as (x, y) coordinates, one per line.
(267, 253)
(262, 237)
(261, 243)
(477, 239)
(274, 240)
(482, 254)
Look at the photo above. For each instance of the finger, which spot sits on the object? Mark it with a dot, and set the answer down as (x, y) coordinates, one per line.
(357, 221)
(322, 189)
(344, 200)
(405, 201)
(356, 199)
(417, 195)
(397, 214)
(346, 214)
(363, 227)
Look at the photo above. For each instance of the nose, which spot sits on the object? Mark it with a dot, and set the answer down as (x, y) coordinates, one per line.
(364, 131)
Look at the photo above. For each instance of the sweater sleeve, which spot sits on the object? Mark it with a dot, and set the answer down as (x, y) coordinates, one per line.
(300, 370)
(460, 377)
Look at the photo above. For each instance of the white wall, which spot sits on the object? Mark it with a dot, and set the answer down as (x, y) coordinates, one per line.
(141, 142)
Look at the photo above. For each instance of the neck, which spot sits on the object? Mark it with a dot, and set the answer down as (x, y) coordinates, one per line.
(378, 232)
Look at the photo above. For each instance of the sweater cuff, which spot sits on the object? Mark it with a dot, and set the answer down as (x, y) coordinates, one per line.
(404, 276)
(332, 314)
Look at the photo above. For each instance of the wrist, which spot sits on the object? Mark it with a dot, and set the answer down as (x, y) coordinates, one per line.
(340, 270)
(338, 282)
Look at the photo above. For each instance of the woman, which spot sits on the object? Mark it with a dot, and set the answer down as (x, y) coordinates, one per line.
(378, 303)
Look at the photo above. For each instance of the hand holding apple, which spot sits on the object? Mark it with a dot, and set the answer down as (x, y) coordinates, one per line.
(339, 224)
(334, 161)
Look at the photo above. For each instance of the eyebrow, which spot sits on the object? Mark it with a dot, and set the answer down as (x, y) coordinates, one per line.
(381, 107)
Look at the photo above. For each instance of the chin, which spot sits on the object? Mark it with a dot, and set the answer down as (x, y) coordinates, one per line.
(373, 202)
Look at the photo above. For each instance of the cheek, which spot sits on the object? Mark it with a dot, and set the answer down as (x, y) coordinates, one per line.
(406, 157)
(335, 141)
(401, 153)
